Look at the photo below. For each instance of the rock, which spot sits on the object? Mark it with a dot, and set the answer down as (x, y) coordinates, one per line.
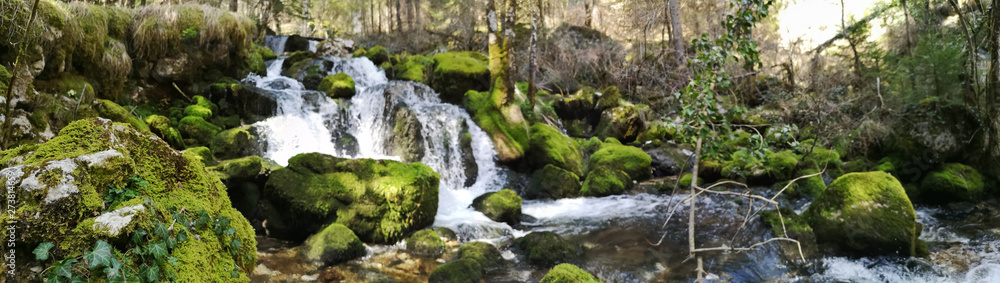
(236, 142)
(296, 43)
(668, 161)
(549, 146)
(380, 200)
(552, 182)
(576, 106)
(241, 168)
(868, 213)
(609, 99)
(334, 244)
(500, 206)
(812, 186)
(171, 69)
(296, 64)
(486, 255)
(115, 112)
(546, 248)
(416, 68)
(469, 158)
(425, 242)
(160, 126)
(63, 186)
(459, 271)
(339, 85)
(197, 131)
(505, 125)
(251, 103)
(624, 123)
(685, 181)
(456, 73)
(779, 165)
(952, 182)
(407, 140)
(446, 233)
(198, 111)
(378, 55)
(335, 47)
(796, 228)
(568, 273)
(632, 160)
(200, 153)
(605, 182)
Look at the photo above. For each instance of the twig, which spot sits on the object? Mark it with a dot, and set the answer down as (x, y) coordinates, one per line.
(181, 91)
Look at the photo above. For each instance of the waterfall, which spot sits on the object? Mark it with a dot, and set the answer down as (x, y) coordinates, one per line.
(363, 127)
(276, 44)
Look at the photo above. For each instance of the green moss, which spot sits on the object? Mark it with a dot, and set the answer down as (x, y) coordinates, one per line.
(486, 255)
(459, 271)
(624, 123)
(510, 137)
(265, 53)
(632, 160)
(160, 126)
(456, 73)
(546, 248)
(234, 143)
(200, 153)
(198, 111)
(296, 64)
(241, 168)
(380, 200)
(500, 206)
(568, 273)
(609, 99)
(334, 244)
(605, 182)
(552, 182)
(795, 226)
(426, 242)
(780, 164)
(865, 212)
(549, 146)
(821, 157)
(685, 181)
(952, 182)
(812, 186)
(415, 68)
(360, 52)
(197, 131)
(115, 112)
(378, 55)
(576, 106)
(339, 85)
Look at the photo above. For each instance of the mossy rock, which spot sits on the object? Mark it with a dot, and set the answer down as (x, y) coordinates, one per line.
(115, 112)
(546, 248)
(552, 182)
(500, 206)
(334, 244)
(160, 125)
(234, 143)
(459, 271)
(685, 181)
(632, 160)
(791, 225)
(568, 273)
(867, 213)
(196, 131)
(456, 73)
(198, 111)
(609, 99)
(780, 165)
(549, 146)
(485, 254)
(605, 182)
(952, 182)
(380, 200)
(296, 43)
(813, 186)
(624, 123)
(505, 125)
(416, 68)
(446, 233)
(200, 153)
(63, 187)
(296, 64)
(576, 106)
(204, 102)
(240, 168)
(360, 52)
(378, 55)
(425, 242)
(338, 85)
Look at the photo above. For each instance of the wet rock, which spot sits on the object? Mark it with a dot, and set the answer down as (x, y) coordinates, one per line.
(296, 43)
(624, 123)
(576, 106)
(552, 182)
(406, 140)
(235, 143)
(455, 73)
(500, 206)
(446, 233)
(952, 182)
(425, 242)
(469, 159)
(334, 244)
(485, 254)
(568, 273)
(668, 160)
(338, 86)
(867, 213)
(546, 248)
(613, 155)
(796, 228)
(549, 146)
(462, 270)
(335, 47)
(380, 200)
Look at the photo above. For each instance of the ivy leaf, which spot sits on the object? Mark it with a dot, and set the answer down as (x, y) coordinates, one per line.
(77, 279)
(113, 270)
(179, 217)
(151, 274)
(230, 231)
(172, 261)
(100, 256)
(235, 244)
(203, 219)
(65, 268)
(182, 235)
(158, 250)
(161, 230)
(42, 251)
(138, 236)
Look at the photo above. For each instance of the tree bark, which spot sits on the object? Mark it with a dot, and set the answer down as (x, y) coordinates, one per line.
(399, 18)
(531, 58)
(677, 34)
(234, 5)
(850, 41)
(589, 9)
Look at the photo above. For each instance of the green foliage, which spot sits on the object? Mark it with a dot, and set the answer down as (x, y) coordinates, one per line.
(568, 273)
(189, 33)
(118, 195)
(339, 85)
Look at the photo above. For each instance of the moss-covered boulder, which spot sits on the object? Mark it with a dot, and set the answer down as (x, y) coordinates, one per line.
(505, 125)
(546, 248)
(200, 153)
(240, 168)
(234, 143)
(624, 123)
(380, 200)
(576, 106)
(102, 181)
(952, 182)
(339, 85)
(198, 111)
(459, 271)
(605, 182)
(549, 146)
(609, 99)
(787, 224)
(501, 206)
(455, 73)
(685, 181)
(160, 125)
(114, 112)
(568, 273)
(485, 254)
(552, 182)
(196, 131)
(334, 244)
(378, 55)
(812, 186)
(867, 213)
(415, 68)
(425, 242)
(297, 63)
(630, 159)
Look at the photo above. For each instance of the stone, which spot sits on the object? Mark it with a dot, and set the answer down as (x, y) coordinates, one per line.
(334, 244)
(546, 248)
(568, 273)
(500, 206)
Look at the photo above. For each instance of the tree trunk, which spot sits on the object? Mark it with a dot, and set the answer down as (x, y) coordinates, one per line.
(531, 58)
(305, 16)
(399, 18)
(234, 5)
(15, 73)
(677, 34)
(993, 83)
(509, 38)
(541, 14)
(589, 9)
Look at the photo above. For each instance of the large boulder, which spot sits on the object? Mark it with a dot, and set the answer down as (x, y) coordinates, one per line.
(576, 106)
(335, 47)
(455, 73)
(549, 146)
(624, 123)
(952, 182)
(334, 244)
(426, 242)
(568, 273)
(552, 182)
(339, 85)
(380, 200)
(235, 142)
(868, 213)
(546, 248)
(668, 160)
(459, 271)
(605, 182)
(500, 206)
(609, 98)
(632, 160)
(100, 182)
(485, 254)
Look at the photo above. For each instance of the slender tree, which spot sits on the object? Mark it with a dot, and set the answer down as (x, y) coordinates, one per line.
(677, 34)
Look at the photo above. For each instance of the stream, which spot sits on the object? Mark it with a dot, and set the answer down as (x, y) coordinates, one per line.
(616, 232)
